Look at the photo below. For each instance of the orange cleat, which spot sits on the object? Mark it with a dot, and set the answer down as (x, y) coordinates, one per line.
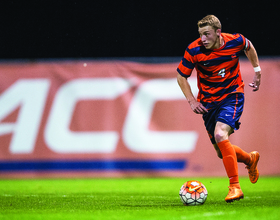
(252, 167)
(234, 194)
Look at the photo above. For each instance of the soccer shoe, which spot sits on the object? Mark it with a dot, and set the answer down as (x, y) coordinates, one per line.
(252, 167)
(234, 194)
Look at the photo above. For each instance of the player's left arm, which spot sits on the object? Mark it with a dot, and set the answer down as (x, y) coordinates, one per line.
(252, 55)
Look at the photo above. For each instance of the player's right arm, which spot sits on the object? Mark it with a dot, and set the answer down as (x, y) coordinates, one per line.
(196, 106)
(185, 69)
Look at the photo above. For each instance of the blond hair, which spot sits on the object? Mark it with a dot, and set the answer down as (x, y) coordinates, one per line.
(210, 20)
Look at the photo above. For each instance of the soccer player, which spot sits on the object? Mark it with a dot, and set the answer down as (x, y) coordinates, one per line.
(215, 56)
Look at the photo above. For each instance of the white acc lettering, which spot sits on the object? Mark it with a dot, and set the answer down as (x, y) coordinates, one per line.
(30, 97)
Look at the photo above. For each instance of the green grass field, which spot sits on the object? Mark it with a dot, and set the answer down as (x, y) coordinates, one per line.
(134, 198)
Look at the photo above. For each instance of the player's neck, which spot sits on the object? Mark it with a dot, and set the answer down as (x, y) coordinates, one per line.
(220, 42)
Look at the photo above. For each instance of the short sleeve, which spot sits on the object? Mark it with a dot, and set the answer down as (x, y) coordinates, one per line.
(186, 65)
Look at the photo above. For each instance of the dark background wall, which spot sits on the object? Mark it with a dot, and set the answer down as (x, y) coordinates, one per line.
(88, 29)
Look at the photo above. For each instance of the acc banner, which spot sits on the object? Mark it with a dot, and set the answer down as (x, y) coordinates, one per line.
(94, 118)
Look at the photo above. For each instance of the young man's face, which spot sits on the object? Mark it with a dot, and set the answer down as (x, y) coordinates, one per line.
(210, 37)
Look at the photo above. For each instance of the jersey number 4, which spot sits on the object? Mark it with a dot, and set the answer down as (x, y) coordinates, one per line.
(222, 73)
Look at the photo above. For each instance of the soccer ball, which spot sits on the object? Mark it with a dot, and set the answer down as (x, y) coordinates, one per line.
(193, 193)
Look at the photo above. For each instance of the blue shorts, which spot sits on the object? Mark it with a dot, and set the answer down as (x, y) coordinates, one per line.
(228, 111)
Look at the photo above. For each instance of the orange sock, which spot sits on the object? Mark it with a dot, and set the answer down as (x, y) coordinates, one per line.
(241, 155)
(230, 161)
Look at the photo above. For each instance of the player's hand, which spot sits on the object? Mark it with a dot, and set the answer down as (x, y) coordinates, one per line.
(256, 82)
(197, 107)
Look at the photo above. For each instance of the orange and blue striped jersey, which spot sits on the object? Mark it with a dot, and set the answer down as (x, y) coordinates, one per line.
(218, 70)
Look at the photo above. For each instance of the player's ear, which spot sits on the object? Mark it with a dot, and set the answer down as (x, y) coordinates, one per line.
(219, 32)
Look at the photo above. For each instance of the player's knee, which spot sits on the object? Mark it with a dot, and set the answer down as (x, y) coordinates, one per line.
(222, 132)
(220, 136)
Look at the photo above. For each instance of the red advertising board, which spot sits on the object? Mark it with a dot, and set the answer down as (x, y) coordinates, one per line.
(118, 118)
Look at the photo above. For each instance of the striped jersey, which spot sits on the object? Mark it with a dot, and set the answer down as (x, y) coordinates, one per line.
(218, 70)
